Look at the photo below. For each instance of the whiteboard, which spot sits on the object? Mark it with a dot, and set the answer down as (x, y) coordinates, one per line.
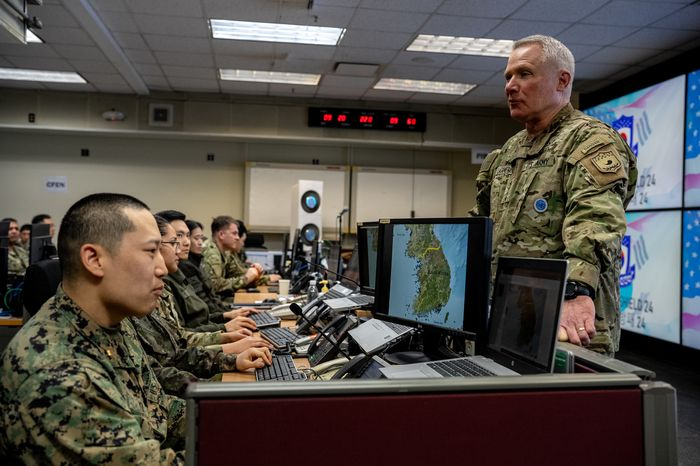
(268, 188)
(379, 193)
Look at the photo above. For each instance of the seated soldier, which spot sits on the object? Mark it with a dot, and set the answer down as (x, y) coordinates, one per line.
(175, 362)
(17, 256)
(74, 379)
(193, 310)
(25, 234)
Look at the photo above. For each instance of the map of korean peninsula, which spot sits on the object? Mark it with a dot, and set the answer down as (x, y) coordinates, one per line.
(432, 270)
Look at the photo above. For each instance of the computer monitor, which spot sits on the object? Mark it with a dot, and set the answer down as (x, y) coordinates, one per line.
(4, 251)
(434, 274)
(40, 245)
(367, 249)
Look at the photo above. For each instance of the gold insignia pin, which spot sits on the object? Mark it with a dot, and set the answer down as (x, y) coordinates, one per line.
(606, 162)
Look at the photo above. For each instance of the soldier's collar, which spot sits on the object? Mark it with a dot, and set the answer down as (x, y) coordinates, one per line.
(533, 146)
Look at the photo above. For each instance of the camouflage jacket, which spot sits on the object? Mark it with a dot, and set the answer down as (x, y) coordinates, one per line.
(193, 309)
(74, 392)
(168, 311)
(222, 270)
(17, 259)
(173, 362)
(199, 284)
(563, 195)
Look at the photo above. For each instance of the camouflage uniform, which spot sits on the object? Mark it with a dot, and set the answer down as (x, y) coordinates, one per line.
(222, 270)
(74, 392)
(167, 310)
(217, 306)
(173, 362)
(563, 195)
(17, 259)
(192, 309)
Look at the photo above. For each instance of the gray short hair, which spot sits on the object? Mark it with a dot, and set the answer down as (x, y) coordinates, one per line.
(553, 52)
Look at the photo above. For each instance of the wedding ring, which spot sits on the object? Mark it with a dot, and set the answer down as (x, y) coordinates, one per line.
(581, 329)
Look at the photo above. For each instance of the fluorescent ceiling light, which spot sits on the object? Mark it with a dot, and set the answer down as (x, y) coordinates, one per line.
(33, 38)
(275, 32)
(276, 77)
(433, 87)
(17, 74)
(461, 45)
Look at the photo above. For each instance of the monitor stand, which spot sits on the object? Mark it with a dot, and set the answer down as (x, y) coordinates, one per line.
(406, 357)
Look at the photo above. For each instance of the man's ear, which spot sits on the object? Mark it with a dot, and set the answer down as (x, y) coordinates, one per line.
(92, 256)
(564, 80)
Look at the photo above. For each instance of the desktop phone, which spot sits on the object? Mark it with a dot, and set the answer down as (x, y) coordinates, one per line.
(321, 350)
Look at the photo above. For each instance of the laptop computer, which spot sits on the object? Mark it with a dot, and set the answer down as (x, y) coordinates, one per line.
(375, 334)
(527, 299)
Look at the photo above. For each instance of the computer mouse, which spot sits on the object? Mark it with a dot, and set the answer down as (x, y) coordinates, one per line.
(252, 290)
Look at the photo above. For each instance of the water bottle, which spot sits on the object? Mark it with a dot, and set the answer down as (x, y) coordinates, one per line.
(312, 291)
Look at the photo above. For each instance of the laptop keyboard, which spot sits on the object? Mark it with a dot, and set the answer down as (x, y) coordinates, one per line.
(462, 367)
(281, 369)
(264, 319)
(279, 336)
(398, 328)
(361, 299)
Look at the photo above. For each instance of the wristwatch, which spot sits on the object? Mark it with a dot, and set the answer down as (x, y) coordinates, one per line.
(574, 289)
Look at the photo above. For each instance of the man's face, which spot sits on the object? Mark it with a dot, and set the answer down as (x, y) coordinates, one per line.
(52, 227)
(25, 235)
(183, 236)
(13, 233)
(531, 86)
(196, 240)
(228, 237)
(241, 242)
(132, 282)
(170, 249)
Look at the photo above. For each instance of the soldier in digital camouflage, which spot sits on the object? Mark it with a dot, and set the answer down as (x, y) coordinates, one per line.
(17, 256)
(559, 189)
(75, 384)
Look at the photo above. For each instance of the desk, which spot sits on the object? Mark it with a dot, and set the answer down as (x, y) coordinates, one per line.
(8, 327)
(10, 321)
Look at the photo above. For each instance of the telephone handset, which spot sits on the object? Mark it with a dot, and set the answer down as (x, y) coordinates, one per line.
(330, 365)
(361, 366)
(321, 350)
(313, 311)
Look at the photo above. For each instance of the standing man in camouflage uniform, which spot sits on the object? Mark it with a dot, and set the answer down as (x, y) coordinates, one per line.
(17, 257)
(75, 385)
(219, 265)
(559, 189)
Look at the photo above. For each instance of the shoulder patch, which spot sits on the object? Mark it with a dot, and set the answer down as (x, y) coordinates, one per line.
(606, 162)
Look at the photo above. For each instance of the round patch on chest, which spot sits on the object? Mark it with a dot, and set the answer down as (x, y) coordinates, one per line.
(541, 205)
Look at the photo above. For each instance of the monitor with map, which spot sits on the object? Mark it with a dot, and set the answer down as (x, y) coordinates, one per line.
(435, 273)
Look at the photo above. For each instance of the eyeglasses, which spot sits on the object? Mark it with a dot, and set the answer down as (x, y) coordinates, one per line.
(174, 243)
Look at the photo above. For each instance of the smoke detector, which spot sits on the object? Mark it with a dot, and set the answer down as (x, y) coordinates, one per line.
(114, 115)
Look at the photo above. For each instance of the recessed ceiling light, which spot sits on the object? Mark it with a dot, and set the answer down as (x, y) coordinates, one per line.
(461, 45)
(17, 74)
(432, 87)
(276, 77)
(275, 32)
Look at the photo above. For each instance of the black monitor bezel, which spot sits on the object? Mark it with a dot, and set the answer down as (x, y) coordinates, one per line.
(39, 240)
(475, 323)
(362, 248)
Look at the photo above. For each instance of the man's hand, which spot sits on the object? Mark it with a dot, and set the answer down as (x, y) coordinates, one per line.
(253, 358)
(240, 322)
(251, 275)
(577, 323)
(230, 337)
(241, 311)
(273, 277)
(244, 344)
(258, 267)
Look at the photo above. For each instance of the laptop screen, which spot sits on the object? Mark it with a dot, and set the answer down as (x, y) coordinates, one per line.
(526, 304)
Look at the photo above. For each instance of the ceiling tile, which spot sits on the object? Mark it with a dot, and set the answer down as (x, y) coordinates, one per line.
(140, 56)
(185, 59)
(389, 96)
(291, 91)
(114, 88)
(156, 82)
(79, 52)
(184, 84)
(559, 10)
(376, 39)
(47, 64)
(435, 60)
(186, 8)
(419, 6)
(59, 35)
(597, 70)
(325, 16)
(631, 13)
(626, 56)
(409, 72)
(146, 69)
(360, 55)
(93, 66)
(240, 87)
(458, 26)
(130, 40)
(103, 78)
(177, 44)
(302, 66)
(173, 25)
(480, 8)
(118, 21)
(392, 21)
(339, 92)
(465, 76)
(473, 62)
(517, 29)
(189, 72)
(687, 18)
(109, 5)
(654, 38)
(55, 16)
(29, 50)
(594, 35)
(445, 99)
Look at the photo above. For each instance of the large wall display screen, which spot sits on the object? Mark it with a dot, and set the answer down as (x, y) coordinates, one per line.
(651, 121)
(692, 141)
(650, 277)
(691, 278)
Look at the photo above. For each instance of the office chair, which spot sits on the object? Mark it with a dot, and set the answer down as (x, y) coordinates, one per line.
(41, 281)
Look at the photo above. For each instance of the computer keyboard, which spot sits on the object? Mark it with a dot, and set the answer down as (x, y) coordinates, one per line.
(264, 319)
(459, 368)
(282, 368)
(398, 328)
(279, 336)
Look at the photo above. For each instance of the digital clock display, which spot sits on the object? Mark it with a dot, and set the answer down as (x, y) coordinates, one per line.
(366, 119)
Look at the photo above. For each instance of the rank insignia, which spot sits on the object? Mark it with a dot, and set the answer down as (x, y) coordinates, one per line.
(606, 162)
